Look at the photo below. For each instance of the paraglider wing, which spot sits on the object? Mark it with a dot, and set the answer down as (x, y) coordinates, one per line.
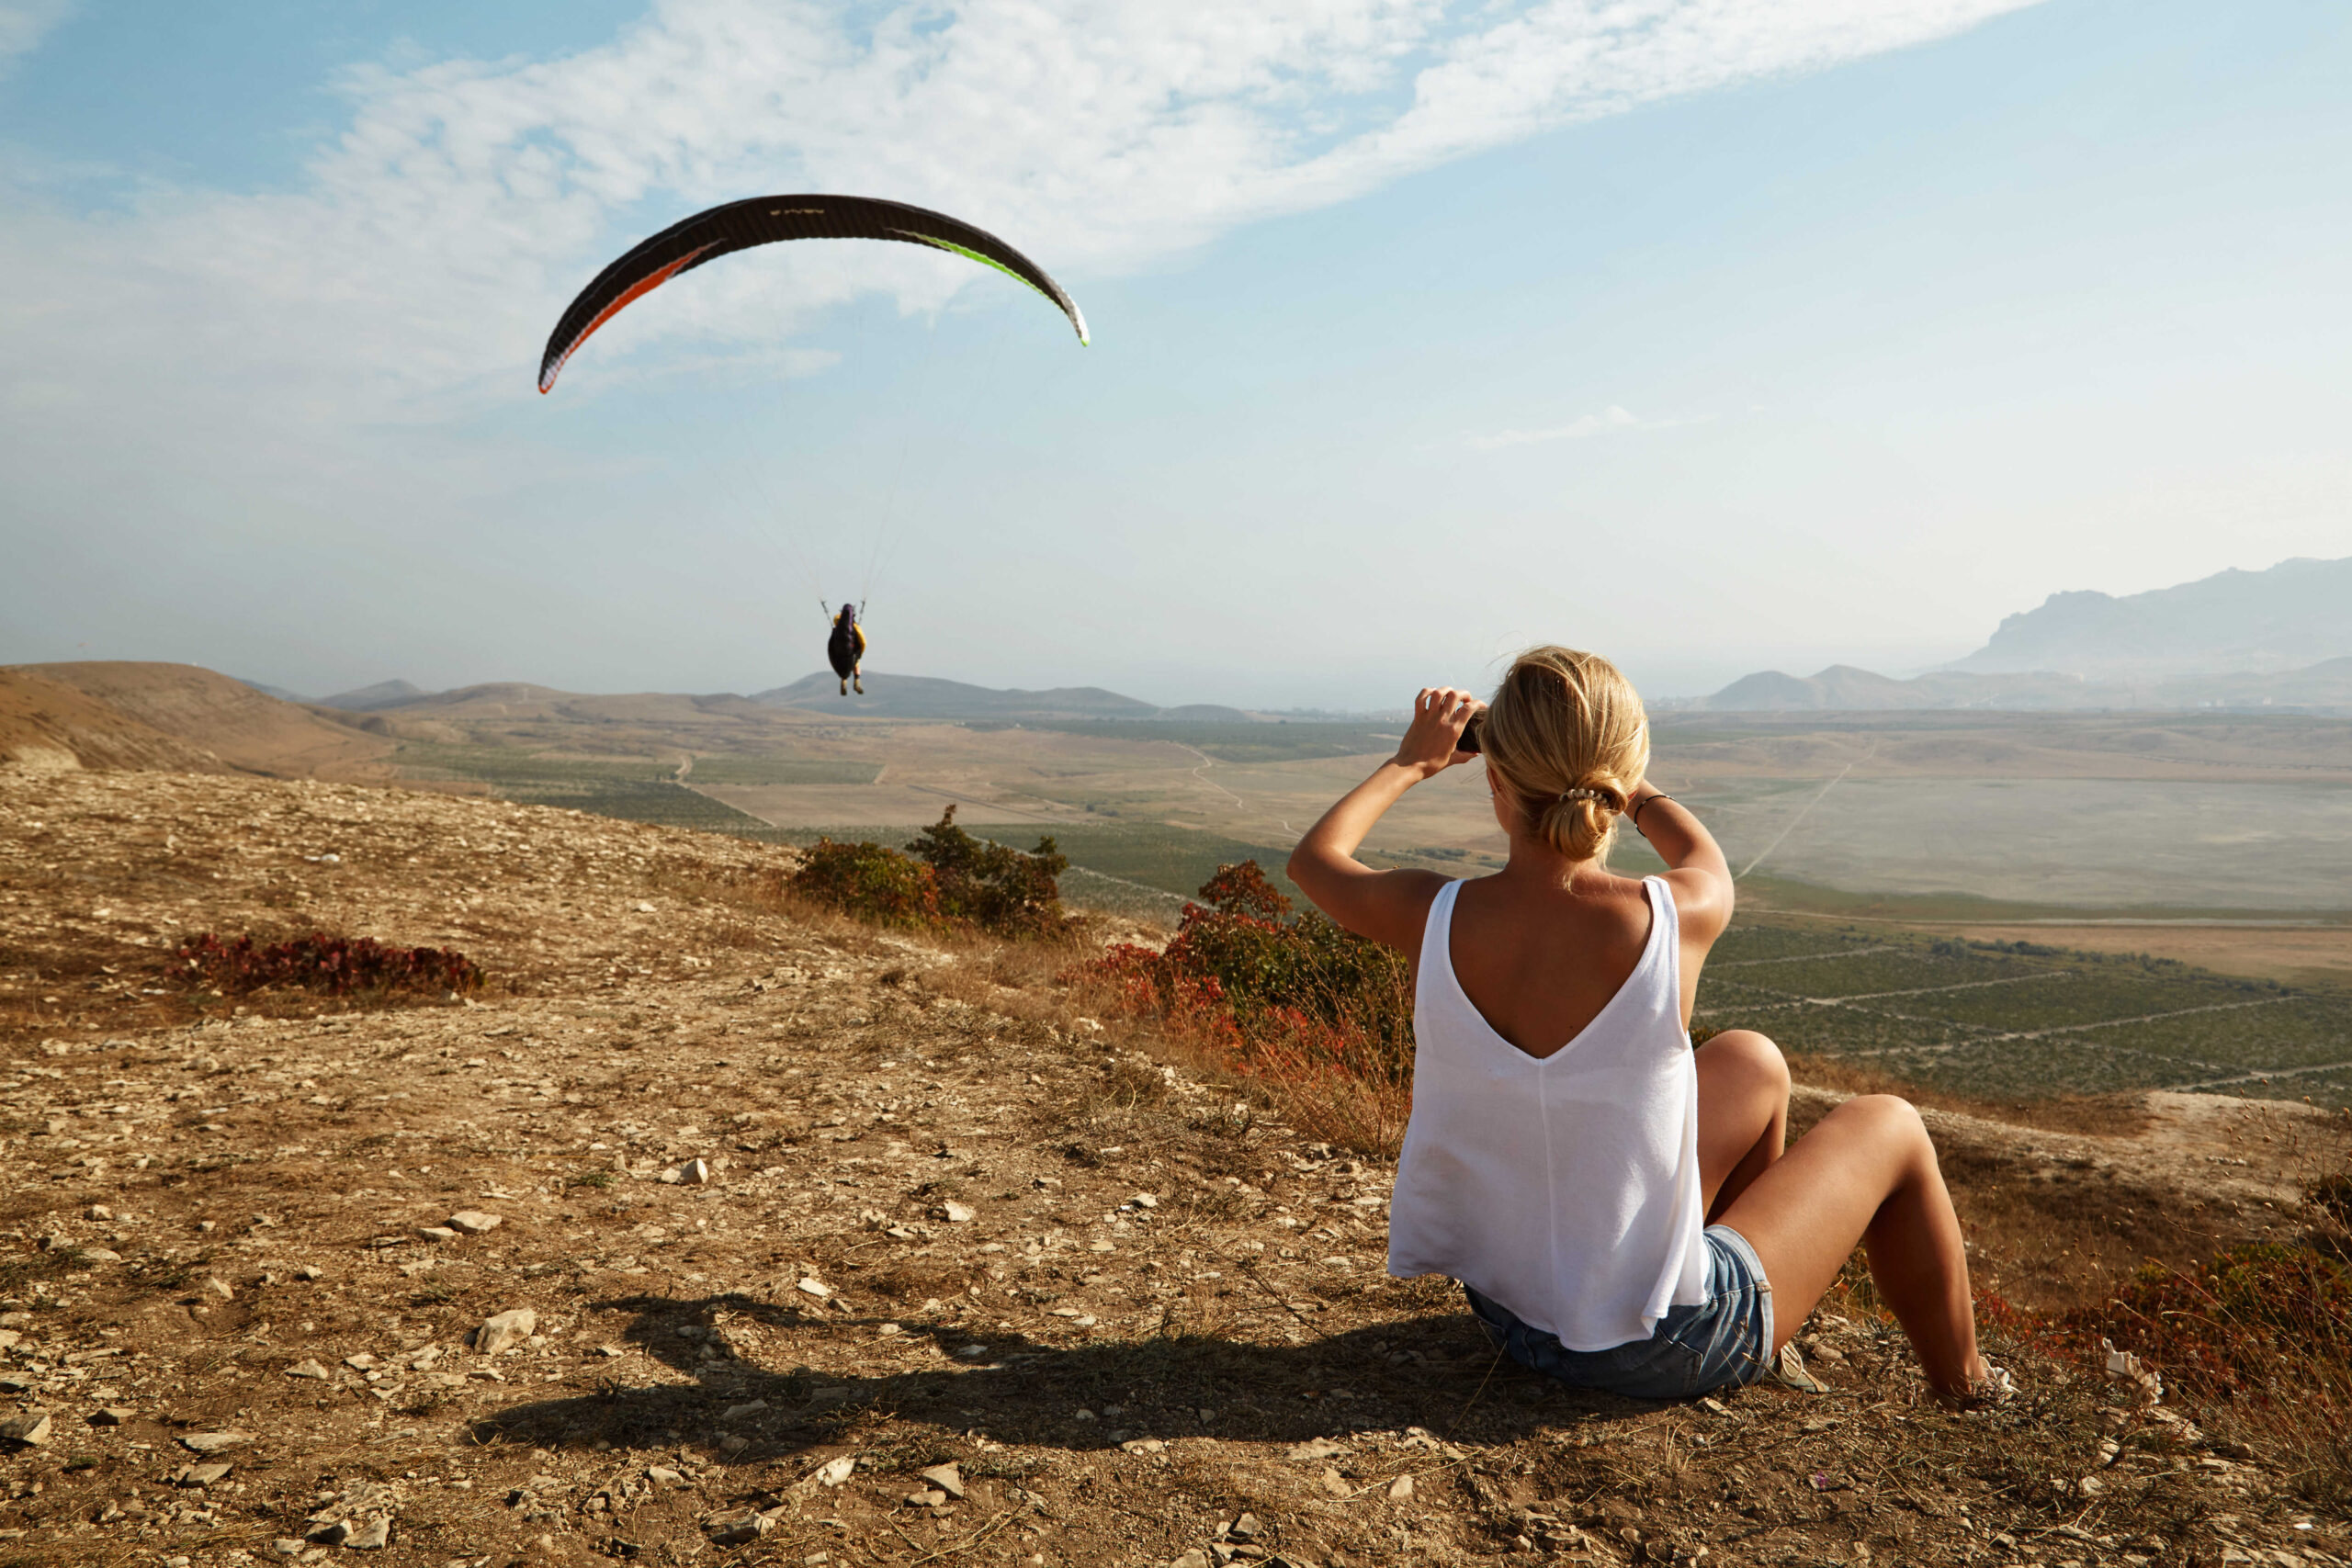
(765, 219)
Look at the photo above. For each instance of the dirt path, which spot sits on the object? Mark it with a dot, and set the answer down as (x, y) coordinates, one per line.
(798, 1212)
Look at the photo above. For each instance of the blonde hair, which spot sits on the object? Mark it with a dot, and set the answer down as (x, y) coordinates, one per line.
(1567, 736)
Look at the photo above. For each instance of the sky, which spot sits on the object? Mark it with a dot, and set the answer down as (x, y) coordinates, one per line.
(1713, 335)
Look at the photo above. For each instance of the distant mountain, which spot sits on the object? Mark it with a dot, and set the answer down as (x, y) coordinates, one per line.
(923, 697)
(267, 690)
(367, 699)
(2324, 688)
(2295, 614)
(1203, 713)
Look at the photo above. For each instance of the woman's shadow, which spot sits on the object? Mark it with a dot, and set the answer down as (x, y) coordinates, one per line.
(1439, 1375)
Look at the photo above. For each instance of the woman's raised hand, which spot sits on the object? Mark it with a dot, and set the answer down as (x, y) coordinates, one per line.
(1432, 742)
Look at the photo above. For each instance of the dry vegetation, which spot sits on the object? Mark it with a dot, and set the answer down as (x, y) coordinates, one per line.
(919, 1209)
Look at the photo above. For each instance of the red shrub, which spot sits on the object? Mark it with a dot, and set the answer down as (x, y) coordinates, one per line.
(1322, 1018)
(338, 965)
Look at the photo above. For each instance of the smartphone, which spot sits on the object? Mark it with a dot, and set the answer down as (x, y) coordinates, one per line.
(1470, 741)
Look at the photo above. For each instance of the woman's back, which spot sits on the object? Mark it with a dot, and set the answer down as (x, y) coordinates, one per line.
(1561, 1181)
(1538, 962)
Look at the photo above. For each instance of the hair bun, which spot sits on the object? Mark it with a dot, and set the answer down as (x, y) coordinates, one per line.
(1564, 728)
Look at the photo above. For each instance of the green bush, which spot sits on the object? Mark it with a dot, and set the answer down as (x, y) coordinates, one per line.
(992, 885)
(945, 878)
(869, 882)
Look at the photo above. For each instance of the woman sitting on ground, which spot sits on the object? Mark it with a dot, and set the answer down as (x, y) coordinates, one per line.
(1617, 1205)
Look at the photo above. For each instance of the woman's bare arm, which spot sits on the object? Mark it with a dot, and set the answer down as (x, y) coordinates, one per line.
(1697, 871)
(1386, 906)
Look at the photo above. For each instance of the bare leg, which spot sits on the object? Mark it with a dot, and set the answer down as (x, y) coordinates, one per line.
(1868, 1173)
(1743, 1113)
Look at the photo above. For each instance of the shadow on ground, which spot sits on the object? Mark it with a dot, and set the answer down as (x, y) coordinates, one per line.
(1439, 1375)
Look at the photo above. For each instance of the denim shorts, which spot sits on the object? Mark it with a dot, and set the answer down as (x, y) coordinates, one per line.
(1724, 1341)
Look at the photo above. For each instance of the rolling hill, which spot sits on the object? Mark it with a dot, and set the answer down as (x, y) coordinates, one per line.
(226, 719)
(49, 725)
(923, 697)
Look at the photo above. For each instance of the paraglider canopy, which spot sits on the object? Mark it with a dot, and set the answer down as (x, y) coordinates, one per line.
(767, 219)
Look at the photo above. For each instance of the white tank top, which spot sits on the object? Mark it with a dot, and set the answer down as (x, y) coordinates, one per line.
(1566, 1187)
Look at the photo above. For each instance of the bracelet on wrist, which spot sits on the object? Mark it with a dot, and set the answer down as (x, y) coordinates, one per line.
(1640, 805)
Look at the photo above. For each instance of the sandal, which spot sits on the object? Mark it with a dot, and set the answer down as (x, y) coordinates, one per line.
(1788, 1369)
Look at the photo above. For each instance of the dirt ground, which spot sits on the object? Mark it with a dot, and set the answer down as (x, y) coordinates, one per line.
(797, 1213)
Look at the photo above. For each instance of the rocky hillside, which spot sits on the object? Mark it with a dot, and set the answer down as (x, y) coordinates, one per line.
(715, 1231)
(228, 720)
(46, 725)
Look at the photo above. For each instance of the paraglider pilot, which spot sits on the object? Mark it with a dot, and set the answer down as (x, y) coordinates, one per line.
(845, 648)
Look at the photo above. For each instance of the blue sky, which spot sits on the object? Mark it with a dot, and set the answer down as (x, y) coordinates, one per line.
(1715, 334)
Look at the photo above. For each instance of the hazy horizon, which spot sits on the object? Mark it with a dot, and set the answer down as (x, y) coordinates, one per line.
(1716, 343)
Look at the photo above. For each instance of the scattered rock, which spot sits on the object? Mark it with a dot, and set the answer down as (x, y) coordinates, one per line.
(362, 1361)
(948, 1478)
(1401, 1489)
(1143, 1446)
(439, 1232)
(308, 1370)
(1318, 1447)
(926, 1498)
(694, 1173)
(215, 1442)
(1195, 1558)
(30, 1430)
(816, 1288)
(289, 1546)
(112, 1414)
(201, 1474)
(217, 1288)
(958, 1213)
(473, 1221)
(662, 1475)
(505, 1328)
(1248, 1527)
(737, 1412)
(833, 1472)
(741, 1530)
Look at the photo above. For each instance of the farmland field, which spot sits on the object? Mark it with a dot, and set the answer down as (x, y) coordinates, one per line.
(1986, 1020)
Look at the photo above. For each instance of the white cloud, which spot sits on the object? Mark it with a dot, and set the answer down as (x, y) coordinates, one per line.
(1608, 422)
(25, 23)
(430, 246)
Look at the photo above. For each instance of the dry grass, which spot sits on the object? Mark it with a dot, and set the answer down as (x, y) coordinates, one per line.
(2100, 1115)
